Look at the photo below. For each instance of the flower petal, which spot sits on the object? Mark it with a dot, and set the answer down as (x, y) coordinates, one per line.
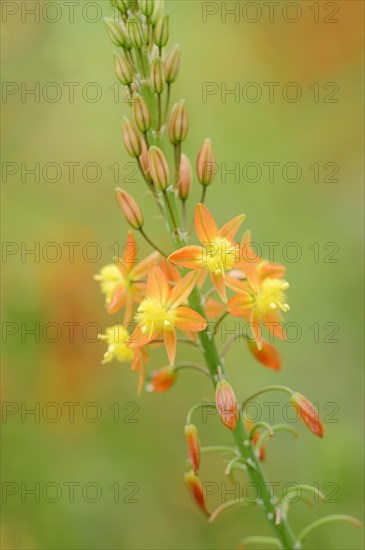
(141, 269)
(169, 337)
(182, 289)
(117, 300)
(274, 326)
(130, 252)
(188, 256)
(220, 286)
(240, 306)
(205, 226)
(189, 320)
(236, 284)
(229, 229)
(139, 338)
(157, 285)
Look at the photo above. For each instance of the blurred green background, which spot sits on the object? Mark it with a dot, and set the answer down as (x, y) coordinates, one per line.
(147, 457)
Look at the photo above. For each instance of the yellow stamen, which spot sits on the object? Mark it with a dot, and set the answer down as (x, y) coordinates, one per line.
(117, 339)
(219, 256)
(270, 296)
(154, 316)
(109, 277)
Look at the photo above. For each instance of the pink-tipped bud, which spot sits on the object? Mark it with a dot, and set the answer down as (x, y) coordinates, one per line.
(178, 122)
(193, 446)
(268, 355)
(172, 64)
(159, 168)
(162, 379)
(206, 167)
(157, 76)
(226, 403)
(308, 413)
(117, 33)
(143, 159)
(123, 70)
(141, 113)
(195, 488)
(131, 138)
(130, 209)
(185, 178)
(135, 32)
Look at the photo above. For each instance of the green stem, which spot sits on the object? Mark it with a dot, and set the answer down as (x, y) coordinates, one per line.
(151, 243)
(243, 443)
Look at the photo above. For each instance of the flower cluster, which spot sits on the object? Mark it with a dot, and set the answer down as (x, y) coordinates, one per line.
(208, 275)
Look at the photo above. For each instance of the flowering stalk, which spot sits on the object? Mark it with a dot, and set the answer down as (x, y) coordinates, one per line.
(165, 292)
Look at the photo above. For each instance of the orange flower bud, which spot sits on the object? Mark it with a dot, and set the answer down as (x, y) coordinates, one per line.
(161, 380)
(172, 64)
(256, 436)
(308, 413)
(185, 179)
(131, 138)
(226, 403)
(178, 122)
(195, 488)
(159, 168)
(193, 446)
(268, 355)
(141, 113)
(143, 159)
(206, 166)
(130, 209)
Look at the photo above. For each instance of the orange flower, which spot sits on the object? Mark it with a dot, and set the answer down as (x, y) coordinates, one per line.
(218, 252)
(160, 312)
(260, 299)
(122, 282)
(308, 413)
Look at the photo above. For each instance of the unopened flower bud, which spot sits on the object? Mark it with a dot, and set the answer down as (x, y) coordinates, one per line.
(193, 446)
(147, 7)
(131, 138)
(268, 355)
(123, 70)
(141, 113)
(185, 178)
(161, 380)
(172, 64)
(135, 32)
(178, 122)
(157, 76)
(159, 168)
(143, 159)
(130, 209)
(117, 33)
(205, 166)
(226, 403)
(195, 488)
(308, 413)
(161, 34)
(157, 12)
(121, 5)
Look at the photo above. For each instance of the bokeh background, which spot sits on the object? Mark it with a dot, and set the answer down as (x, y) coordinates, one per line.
(147, 457)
